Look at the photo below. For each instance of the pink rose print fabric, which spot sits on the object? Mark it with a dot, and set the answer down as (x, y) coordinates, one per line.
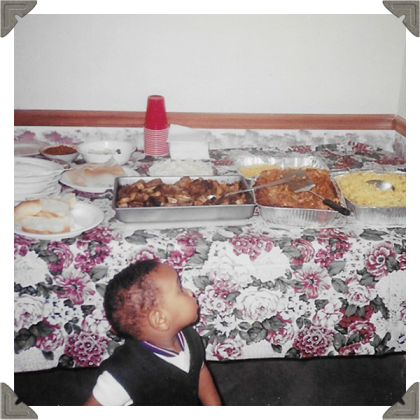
(263, 290)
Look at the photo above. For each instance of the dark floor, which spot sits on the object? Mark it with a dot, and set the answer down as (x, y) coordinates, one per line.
(342, 381)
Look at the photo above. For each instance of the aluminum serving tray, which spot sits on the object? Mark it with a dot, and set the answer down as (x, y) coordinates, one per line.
(391, 216)
(301, 217)
(300, 161)
(296, 216)
(183, 213)
(288, 216)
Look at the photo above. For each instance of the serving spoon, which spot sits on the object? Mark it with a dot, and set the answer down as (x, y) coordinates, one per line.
(382, 185)
(306, 185)
(294, 174)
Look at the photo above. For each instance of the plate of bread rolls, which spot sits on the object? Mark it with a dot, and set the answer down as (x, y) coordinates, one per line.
(55, 217)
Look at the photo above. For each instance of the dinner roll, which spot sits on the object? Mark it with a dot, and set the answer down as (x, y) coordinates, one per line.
(46, 225)
(46, 215)
(27, 208)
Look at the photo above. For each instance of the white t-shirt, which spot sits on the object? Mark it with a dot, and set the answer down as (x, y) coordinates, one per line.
(108, 391)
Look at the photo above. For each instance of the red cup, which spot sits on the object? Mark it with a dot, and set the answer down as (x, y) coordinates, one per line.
(156, 113)
(156, 127)
(155, 142)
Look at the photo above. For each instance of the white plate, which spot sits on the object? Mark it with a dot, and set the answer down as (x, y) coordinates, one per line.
(36, 169)
(86, 216)
(31, 186)
(55, 190)
(65, 181)
(34, 188)
(51, 192)
(28, 148)
(37, 180)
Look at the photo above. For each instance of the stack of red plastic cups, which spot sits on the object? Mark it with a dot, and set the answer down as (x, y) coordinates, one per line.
(156, 127)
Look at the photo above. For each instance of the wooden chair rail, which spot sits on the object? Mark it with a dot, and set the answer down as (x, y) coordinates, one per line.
(213, 120)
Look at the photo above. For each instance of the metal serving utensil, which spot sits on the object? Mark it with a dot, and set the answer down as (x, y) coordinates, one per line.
(381, 185)
(306, 185)
(293, 175)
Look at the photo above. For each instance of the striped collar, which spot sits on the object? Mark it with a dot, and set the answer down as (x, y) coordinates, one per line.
(162, 351)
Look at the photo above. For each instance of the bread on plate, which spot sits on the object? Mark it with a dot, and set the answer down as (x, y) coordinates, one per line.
(94, 175)
(46, 215)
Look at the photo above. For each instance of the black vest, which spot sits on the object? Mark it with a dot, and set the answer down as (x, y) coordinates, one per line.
(149, 380)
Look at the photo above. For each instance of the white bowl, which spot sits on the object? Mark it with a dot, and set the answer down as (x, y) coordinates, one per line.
(68, 157)
(103, 151)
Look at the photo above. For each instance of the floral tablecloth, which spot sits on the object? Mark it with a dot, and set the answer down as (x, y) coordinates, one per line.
(264, 290)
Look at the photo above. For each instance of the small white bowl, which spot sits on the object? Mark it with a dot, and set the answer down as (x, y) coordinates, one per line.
(102, 151)
(68, 157)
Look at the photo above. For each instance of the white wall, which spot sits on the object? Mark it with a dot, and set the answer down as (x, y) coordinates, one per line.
(211, 63)
(402, 110)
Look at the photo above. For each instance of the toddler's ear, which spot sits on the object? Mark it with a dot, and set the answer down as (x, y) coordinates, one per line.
(158, 320)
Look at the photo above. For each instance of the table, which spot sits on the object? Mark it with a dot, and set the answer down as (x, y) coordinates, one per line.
(264, 291)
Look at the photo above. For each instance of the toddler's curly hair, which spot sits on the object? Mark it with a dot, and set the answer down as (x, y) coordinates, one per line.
(129, 296)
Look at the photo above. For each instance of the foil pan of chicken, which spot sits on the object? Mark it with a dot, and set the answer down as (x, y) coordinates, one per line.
(178, 199)
(281, 205)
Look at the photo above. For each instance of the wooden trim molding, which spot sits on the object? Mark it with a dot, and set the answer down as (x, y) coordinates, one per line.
(51, 118)
(400, 125)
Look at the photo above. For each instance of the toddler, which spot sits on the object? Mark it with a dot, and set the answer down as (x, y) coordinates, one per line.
(162, 359)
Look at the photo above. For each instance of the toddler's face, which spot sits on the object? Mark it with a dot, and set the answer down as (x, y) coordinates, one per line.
(179, 302)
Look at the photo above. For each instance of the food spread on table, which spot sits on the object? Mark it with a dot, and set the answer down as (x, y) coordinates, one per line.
(272, 200)
(195, 188)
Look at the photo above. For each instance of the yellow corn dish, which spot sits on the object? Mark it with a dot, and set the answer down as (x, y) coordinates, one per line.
(355, 188)
(255, 170)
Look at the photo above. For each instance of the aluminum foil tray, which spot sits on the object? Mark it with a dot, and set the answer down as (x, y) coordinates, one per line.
(297, 217)
(301, 217)
(391, 216)
(287, 162)
(182, 213)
